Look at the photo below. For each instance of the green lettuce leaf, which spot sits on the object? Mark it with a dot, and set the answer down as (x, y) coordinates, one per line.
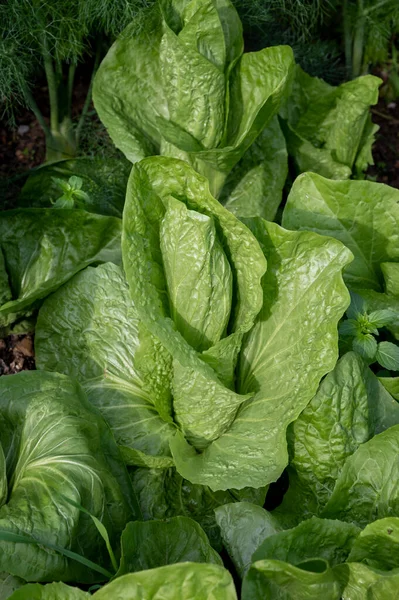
(378, 545)
(57, 446)
(192, 93)
(350, 407)
(150, 544)
(174, 582)
(367, 488)
(330, 540)
(51, 591)
(43, 248)
(390, 272)
(203, 406)
(328, 129)
(89, 329)
(243, 527)
(281, 581)
(163, 494)
(361, 214)
(292, 345)
(254, 187)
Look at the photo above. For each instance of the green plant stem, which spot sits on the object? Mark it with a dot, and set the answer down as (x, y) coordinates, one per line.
(348, 37)
(71, 77)
(52, 85)
(36, 110)
(358, 40)
(89, 95)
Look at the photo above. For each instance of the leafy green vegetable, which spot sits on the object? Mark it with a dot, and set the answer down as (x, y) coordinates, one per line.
(378, 544)
(243, 527)
(367, 486)
(361, 214)
(388, 355)
(350, 407)
(314, 538)
(51, 591)
(209, 101)
(55, 444)
(89, 329)
(43, 248)
(282, 581)
(254, 187)
(328, 129)
(150, 544)
(278, 358)
(390, 272)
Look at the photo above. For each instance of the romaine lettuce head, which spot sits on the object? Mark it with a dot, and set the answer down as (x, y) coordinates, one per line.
(200, 360)
(177, 83)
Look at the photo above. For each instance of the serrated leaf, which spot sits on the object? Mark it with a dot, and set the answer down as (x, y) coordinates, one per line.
(388, 355)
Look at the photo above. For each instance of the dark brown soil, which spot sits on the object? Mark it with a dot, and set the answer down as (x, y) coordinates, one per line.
(16, 354)
(386, 147)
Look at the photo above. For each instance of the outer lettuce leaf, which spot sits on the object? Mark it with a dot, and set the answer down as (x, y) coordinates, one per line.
(151, 105)
(8, 585)
(292, 345)
(174, 582)
(361, 214)
(203, 406)
(378, 545)
(89, 329)
(313, 538)
(51, 591)
(150, 544)
(243, 527)
(164, 493)
(56, 446)
(104, 181)
(392, 385)
(282, 581)
(254, 187)
(350, 407)
(43, 248)
(328, 129)
(390, 272)
(367, 487)
(358, 580)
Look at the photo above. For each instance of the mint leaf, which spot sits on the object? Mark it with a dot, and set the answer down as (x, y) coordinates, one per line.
(388, 355)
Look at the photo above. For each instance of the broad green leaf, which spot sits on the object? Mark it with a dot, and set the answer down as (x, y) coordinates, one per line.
(350, 407)
(194, 88)
(43, 248)
(388, 355)
(243, 527)
(361, 214)
(385, 588)
(356, 580)
(291, 346)
(203, 406)
(313, 538)
(392, 385)
(150, 544)
(255, 185)
(5, 291)
(378, 545)
(390, 272)
(192, 94)
(282, 581)
(367, 488)
(164, 494)
(127, 84)
(328, 128)
(198, 275)
(183, 581)
(365, 157)
(89, 329)
(57, 445)
(51, 591)
(365, 345)
(103, 181)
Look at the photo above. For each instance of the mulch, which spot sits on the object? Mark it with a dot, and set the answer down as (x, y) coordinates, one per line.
(16, 354)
